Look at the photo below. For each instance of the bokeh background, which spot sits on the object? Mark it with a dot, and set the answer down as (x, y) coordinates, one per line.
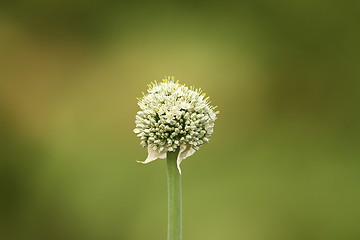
(283, 162)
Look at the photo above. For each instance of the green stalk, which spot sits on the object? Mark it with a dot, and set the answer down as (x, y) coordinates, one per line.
(174, 197)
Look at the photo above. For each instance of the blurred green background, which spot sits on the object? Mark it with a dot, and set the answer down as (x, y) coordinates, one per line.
(283, 163)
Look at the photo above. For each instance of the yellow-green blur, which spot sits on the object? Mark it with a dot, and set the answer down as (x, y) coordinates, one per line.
(282, 164)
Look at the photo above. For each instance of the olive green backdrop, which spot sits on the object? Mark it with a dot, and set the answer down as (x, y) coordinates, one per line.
(283, 163)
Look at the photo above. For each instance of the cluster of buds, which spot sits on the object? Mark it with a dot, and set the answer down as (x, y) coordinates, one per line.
(174, 116)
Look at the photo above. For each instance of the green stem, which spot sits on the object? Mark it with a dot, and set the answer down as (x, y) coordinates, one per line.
(174, 197)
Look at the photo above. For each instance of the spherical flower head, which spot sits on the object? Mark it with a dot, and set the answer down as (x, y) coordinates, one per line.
(174, 116)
